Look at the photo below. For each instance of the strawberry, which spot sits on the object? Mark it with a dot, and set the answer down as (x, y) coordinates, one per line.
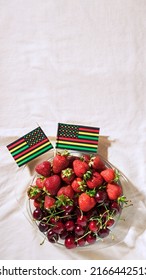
(67, 191)
(37, 203)
(113, 191)
(86, 202)
(67, 175)
(49, 202)
(95, 181)
(43, 168)
(80, 167)
(33, 192)
(52, 184)
(96, 163)
(78, 185)
(60, 162)
(40, 182)
(86, 157)
(108, 175)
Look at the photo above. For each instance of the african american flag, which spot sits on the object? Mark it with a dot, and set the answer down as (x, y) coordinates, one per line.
(30, 146)
(77, 137)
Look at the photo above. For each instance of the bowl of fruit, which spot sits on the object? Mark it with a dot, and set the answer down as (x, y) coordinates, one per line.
(77, 199)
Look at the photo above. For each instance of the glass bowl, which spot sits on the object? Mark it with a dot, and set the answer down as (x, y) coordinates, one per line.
(110, 234)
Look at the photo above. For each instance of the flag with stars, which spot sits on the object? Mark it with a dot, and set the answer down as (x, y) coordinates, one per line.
(77, 137)
(30, 146)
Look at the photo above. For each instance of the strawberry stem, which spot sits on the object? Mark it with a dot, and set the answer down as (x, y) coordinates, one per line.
(117, 176)
(87, 175)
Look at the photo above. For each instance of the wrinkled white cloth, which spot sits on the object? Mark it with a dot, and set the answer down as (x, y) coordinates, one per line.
(80, 62)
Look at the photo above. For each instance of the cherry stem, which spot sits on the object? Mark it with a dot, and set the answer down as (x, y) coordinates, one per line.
(83, 235)
(43, 241)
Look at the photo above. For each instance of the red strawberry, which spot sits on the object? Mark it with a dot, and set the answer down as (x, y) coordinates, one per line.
(86, 157)
(95, 181)
(96, 163)
(52, 184)
(67, 175)
(113, 191)
(33, 192)
(86, 202)
(37, 203)
(78, 185)
(80, 167)
(108, 175)
(43, 168)
(49, 202)
(67, 191)
(40, 182)
(60, 162)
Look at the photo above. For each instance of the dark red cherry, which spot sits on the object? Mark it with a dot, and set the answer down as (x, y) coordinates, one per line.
(52, 236)
(102, 233)
(43, 226)
(79, 230)
(81, 242)
(37, 214)
(82, 221)
(70, 242)
(70, 225)
(100, 196)
(58, 227)
(91, 238)
(93, 226)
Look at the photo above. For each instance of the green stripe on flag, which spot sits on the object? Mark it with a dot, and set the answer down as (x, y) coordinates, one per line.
(20, 150)
(88, 137)
(74, 147)
(36, 154)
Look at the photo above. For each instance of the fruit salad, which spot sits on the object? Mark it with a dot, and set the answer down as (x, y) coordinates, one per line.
(76, 199)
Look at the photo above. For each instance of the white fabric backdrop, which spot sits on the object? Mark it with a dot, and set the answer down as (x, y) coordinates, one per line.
(72, 61)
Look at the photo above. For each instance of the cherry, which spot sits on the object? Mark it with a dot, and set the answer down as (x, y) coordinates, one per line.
(115, 208)
(58, 227)
(77, 212)
(82, 221)
(37, 214)
(43, 226)
(52, 236)
(81, 242)
(63, 235)
(92, 213)
(110, 222)
(70, 225)
(75, 201)
(71, 158)
(79, 230)
(106, 202)
(53, 220)
(100, 196)
(91, 238)
(103, 211)
(70, 242)
(102, 233)
(67, 209)
(93, 226)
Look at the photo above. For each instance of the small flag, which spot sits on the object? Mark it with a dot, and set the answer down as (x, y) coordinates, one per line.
(30, 146)
(77, 137)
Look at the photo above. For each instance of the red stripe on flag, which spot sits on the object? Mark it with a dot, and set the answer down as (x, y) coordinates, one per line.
(77, 140)
(31, 148)
(16, 143)
(89, 129)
